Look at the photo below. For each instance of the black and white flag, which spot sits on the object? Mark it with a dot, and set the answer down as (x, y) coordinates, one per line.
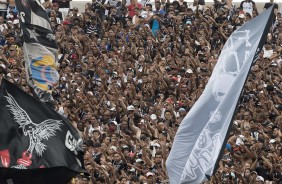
(202, 133)
(39, 48)
(36, 144)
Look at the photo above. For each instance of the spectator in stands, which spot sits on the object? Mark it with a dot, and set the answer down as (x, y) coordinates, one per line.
(127, 82)
(134, 5)
(248, 6)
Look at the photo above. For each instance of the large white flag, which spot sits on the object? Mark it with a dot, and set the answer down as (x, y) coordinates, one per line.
(201, 135)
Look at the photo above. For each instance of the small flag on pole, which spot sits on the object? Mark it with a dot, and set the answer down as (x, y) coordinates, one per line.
(202, 133)
(37, 146)
(39, 48)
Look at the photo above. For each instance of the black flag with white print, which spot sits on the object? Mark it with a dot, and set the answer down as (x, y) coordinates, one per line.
(36, 144)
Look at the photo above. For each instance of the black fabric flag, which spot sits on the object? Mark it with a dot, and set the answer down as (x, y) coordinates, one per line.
(37, 145)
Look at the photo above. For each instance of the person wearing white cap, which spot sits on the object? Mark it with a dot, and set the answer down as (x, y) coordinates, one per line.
(241, 19)
(189, 71)
(180, 116)
(157, 162)
(259, 180)
(272, 145)
(130, 108)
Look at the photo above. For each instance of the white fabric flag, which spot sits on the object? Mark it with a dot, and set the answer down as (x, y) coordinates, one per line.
(201, 135)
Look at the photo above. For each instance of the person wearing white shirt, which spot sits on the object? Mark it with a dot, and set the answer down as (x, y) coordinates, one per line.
(3, 7)
(147, 13)
(195, 5)
(3, 26)
(248, 6)
(267, 50)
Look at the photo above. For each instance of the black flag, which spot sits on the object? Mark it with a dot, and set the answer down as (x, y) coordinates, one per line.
(36, 144)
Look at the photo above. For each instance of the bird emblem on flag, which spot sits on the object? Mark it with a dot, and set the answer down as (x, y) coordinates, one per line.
(35, 132)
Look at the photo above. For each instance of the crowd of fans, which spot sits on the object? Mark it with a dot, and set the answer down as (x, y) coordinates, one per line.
(130, 72)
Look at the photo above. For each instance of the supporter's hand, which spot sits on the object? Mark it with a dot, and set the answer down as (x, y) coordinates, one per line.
(142, 144)
(131, 116)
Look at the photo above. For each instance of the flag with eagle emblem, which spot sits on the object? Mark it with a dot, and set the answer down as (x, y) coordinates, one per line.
(37, 145)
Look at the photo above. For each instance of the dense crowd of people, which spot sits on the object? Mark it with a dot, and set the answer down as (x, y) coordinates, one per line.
(131, 71)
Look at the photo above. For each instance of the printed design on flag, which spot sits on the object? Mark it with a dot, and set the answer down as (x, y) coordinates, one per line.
(36, 132)
(5, 158)
(25, 159)
(39, 20)
(210, 140)
(51, 37)
(226, 74)
(72, 144)
(43, 72)
(19, 167)
(33, 34)
(206, 147)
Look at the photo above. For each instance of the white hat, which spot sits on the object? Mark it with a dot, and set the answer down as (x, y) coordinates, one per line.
(153, 117)
(16, 21)
(114, 148)
(157, 145)
(90, 93)
(114, 122)
(115, 73)
(273, 64)
(113, 109)
(139, 160)
(149, 174)
(124, 146)
(242, 16)
(130, 108)
(272, 141)
(189, 71)
(2, 66)
(260, 178)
